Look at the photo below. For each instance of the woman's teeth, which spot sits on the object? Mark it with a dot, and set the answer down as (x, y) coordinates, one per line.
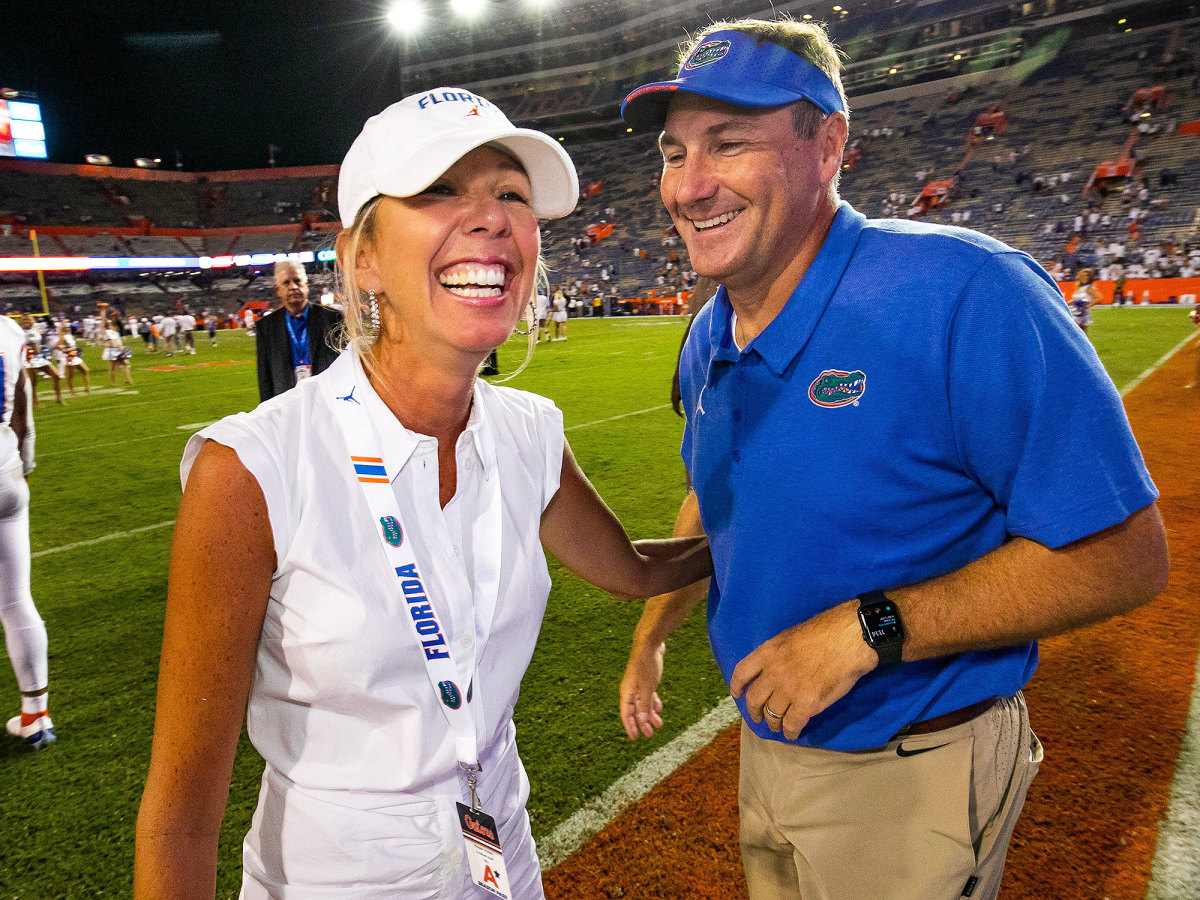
(717, 220)
(474, 280)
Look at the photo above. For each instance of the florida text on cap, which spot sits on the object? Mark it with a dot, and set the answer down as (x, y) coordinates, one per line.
(738, 68)
(409, 145)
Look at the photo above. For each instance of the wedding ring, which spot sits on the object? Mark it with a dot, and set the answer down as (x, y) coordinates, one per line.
(770, 712)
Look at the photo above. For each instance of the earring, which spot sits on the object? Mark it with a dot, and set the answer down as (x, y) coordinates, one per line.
(373, 312)
(530, 317)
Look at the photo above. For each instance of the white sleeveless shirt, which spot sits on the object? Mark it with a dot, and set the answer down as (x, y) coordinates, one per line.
(356, 743)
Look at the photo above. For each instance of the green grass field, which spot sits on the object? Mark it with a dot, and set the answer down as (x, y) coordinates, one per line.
(107, 488)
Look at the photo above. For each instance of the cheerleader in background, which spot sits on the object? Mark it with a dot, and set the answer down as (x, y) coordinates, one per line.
(66, 354)
(37, 360)
(114, 352)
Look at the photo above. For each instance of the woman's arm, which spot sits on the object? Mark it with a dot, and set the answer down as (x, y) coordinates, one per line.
(588, 539)
(220, 578)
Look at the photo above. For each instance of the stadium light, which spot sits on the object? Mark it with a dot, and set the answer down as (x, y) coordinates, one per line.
(1120, 21)
(629, 131)
(406, 15)
(806, 16)
(837, 9)
(468, 9)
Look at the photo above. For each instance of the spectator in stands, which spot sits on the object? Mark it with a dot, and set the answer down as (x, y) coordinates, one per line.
(856, 711)
(294, 340)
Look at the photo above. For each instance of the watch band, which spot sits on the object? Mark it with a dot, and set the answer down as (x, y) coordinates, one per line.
(889, 652)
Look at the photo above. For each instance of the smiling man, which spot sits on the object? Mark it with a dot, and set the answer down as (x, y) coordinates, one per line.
(886, 422)
(293, 341)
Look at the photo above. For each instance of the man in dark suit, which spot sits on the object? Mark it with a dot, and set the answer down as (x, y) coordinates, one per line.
(293, 341)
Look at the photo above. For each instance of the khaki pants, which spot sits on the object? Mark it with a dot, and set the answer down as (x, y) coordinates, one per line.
(875, 825)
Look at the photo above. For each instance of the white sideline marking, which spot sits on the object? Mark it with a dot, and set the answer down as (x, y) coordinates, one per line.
(1175, 870)
(636, 412)
(102, 539)
(152, 437)
(570, 835)
(1161, 362)
(196, 426)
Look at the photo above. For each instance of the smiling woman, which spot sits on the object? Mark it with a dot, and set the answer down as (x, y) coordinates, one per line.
(380, 600)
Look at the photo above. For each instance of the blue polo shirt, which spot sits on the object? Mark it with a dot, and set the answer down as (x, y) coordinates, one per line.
(923, 396)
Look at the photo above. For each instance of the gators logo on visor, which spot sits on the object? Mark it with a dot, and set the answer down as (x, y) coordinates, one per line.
(834, 387)
(450, 694)
(707, 54)
(391, 531)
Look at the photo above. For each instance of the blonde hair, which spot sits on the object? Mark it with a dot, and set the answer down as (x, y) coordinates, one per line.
(808, 40)
(354, 332)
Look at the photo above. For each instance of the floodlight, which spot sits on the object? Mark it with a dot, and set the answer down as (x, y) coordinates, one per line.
(406, 15)
(957, 57)
(467, 8)
(806, 16)
(892, 70)
(1120, 21)
(629, 131)
(837, 9)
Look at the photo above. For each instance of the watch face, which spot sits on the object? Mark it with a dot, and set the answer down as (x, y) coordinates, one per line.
(881, 623)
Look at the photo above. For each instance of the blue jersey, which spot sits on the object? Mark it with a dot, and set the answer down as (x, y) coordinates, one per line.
(922, 397)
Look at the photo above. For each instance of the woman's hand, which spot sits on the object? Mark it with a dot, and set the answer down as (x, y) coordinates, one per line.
(585, 536)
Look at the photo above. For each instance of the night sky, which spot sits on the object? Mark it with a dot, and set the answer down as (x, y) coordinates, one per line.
(218, 80)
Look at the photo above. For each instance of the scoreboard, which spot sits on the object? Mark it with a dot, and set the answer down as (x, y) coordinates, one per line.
(21, 130)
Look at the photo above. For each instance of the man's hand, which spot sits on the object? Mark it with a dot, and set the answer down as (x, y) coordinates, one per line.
(640, 705)
(804, 670)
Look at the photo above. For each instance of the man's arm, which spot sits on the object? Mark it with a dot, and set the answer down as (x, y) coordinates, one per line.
(1021, 591)
(640, 706)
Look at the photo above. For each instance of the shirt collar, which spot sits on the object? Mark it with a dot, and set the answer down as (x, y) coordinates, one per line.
(783, 339)
(399, 443)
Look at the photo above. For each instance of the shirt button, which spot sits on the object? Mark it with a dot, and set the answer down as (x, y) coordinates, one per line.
(466, 642)
(457, 553)
(456, 857)
(737, 415)
(737, 456)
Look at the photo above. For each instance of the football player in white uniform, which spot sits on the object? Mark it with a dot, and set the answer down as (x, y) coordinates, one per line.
(24, 630)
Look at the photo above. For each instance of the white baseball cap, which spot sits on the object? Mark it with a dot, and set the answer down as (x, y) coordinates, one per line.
(405, 148)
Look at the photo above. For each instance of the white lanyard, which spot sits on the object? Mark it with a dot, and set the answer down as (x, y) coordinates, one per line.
(366, 457)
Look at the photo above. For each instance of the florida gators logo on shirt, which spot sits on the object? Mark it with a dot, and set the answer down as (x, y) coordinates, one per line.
(391, 531)
(450, 694)
(833, 388)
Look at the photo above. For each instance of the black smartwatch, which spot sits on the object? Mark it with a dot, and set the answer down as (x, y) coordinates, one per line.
(881, 626)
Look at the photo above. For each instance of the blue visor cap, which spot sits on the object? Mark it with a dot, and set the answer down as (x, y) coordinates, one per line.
(738, 68)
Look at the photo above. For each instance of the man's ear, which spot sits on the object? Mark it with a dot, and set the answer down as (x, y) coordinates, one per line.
(835, 130)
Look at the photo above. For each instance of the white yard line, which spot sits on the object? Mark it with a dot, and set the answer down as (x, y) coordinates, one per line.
(1159, 364)
(100, 540)
(636, 412)
(572, 834)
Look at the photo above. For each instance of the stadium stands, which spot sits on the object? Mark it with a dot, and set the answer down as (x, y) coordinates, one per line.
(1064, 94)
